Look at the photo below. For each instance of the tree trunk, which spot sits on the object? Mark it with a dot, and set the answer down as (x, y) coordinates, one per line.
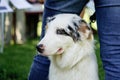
(20, 26)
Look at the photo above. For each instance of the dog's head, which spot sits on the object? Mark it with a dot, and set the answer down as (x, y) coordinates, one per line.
(63, 31)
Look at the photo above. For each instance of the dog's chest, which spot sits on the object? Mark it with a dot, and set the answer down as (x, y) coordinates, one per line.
(80, 71)
(59, 74)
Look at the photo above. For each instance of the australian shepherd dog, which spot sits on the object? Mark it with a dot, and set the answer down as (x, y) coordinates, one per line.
(69, 44)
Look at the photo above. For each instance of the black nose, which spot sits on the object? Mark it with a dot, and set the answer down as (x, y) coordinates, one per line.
(40, 48)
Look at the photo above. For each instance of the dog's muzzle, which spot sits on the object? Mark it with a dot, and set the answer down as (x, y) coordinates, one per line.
(40, 48)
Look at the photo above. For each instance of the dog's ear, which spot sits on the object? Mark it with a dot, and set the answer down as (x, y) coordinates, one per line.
(73, 28)
(85, 30)
(80, 30)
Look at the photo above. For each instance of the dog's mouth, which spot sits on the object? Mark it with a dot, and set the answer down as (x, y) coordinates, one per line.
(60, 51)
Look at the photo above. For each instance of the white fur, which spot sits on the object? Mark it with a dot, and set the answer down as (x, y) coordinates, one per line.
(77, 60)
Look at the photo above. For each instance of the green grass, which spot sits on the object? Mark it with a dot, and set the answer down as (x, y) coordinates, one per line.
(16, 60)
(100, 68)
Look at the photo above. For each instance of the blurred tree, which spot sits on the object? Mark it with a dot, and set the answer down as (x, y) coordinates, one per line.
(8, 27)
(20, 26)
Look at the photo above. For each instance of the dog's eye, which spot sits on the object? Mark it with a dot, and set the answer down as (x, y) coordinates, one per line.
(58, 31)
(62, 32)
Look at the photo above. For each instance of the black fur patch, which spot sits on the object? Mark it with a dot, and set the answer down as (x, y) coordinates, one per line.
(70, 28)
(74, 32)
(74, 35)
(76, 26)
(50, 19)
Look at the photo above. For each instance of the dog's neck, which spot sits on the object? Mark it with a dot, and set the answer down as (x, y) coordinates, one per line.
(73, 55)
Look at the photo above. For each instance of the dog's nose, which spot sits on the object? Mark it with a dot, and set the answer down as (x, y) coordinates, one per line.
(40, 48)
